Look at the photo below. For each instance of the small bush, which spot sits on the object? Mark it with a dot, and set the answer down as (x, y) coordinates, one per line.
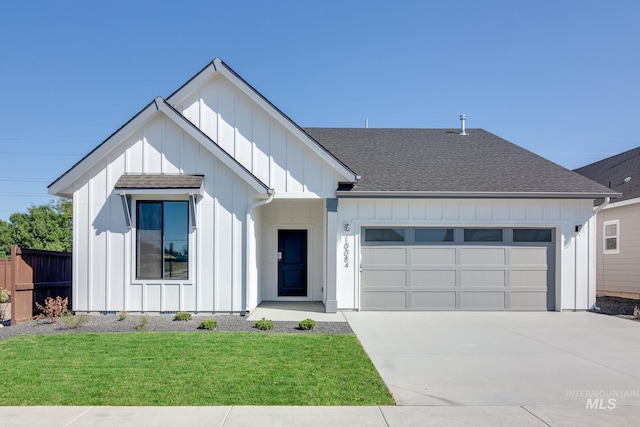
(208, 324)
(122, 315)
(4, 295)
(307, 324)
(74, 321)
(53, 308)
(264, 324)
(636, 312)
(182, 315)
(142, 325)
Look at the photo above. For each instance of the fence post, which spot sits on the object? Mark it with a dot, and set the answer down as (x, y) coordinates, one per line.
(14, 273)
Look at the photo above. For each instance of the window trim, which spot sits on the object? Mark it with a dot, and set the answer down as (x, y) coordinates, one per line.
(615, 222)
(191, 238)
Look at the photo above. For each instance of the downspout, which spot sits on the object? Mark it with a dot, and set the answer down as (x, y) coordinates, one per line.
(597, 209)
(247, 245)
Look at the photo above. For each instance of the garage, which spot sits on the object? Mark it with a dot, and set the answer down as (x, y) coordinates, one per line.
(427, 268)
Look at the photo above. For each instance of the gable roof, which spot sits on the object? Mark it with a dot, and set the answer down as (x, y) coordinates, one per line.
(62, 185)
(443, 163)
(613, 171)
(217, 66)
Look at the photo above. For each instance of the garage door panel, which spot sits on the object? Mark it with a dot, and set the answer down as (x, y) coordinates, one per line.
(482, 256)
(425, 278)
(384, 255)
(482, 300)
(433, 300)
(482, 278)
(384, 278)
(378, 300)
(529, 256)
(433, 256)
(519, 278)
(527, 300)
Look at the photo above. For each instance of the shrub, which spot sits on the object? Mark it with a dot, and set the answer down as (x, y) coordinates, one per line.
(4, 295)
(636, 312)
(72, 321)
(142, 325)
(122, 315)
(53, 308)
(208, 324)
(182, 315)
(264, 324)
(307, 324)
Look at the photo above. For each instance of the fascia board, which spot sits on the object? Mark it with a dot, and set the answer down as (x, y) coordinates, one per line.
(470, 195)
(62, 185)
(210, 145)
(193, 83)
(628, 202)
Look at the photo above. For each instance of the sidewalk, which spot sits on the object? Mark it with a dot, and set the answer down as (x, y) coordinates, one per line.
(279, 416)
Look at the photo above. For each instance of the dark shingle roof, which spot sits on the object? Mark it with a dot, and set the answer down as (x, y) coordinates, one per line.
(441, 160)
(158, 181)
(612, 172)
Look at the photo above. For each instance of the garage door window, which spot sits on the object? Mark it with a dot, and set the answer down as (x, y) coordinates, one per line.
(482, 235)
(433, 235)
(384, 235)
(532, 235)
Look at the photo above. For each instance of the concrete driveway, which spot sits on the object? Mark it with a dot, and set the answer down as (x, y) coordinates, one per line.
(495, 359)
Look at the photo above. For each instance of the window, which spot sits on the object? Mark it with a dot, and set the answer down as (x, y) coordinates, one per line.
(611, 237)
(433, 235)
(483, 235)
(532, 235)
(162, 240)
(384, 235)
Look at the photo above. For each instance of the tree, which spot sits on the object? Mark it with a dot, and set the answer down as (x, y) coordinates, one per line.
(46, 227)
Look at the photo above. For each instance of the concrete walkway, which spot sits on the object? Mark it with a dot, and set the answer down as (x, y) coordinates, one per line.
(298, 416)
(294, 312)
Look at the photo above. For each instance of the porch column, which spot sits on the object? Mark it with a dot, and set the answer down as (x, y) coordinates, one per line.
(331, 299)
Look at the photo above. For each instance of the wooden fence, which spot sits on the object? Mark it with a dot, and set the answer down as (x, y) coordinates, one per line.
(34, 276)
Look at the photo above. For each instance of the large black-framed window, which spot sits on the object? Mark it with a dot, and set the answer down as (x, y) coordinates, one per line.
(162, 240)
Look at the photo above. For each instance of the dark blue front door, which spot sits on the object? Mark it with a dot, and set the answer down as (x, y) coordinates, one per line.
(292, 263)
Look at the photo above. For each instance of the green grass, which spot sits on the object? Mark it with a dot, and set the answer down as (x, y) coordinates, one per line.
(197, 369)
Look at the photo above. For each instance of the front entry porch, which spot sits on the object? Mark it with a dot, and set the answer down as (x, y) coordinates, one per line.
(294, 312)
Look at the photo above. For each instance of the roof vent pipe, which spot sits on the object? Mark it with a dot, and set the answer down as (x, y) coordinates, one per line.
(463, 118)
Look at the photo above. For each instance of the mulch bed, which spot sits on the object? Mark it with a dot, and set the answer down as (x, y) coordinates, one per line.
(616, 306)
(165, 323)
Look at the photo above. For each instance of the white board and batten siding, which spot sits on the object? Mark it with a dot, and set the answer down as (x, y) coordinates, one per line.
(574, 284)
(265, 146)
(104, 264)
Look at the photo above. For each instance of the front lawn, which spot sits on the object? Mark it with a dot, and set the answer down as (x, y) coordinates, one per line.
(164, 369)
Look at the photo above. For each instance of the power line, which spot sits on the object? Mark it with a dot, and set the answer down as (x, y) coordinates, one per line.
(17, 153)
(26, 194)
(47, 139)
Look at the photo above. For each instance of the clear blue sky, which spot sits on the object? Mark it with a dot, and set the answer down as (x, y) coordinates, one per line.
(559, 78)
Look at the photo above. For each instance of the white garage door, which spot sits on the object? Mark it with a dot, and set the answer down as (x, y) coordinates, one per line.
(415, 268)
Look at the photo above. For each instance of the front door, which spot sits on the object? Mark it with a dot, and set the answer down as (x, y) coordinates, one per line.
(292, 263)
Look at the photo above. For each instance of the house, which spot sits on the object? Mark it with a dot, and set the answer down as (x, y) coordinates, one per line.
(618, 225)
(213, 200)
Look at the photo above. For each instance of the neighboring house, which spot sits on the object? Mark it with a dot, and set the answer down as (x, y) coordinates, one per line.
(213, 200)
(618, 225)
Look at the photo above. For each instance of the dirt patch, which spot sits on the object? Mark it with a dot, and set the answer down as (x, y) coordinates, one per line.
(616, 306)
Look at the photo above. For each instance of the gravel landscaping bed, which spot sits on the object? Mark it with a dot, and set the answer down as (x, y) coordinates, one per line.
(165, 323)
(616, 306)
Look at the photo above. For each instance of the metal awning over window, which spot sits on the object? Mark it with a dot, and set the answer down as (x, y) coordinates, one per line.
(158, 184)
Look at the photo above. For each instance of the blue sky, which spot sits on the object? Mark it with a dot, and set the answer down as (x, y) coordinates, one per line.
(559, 78)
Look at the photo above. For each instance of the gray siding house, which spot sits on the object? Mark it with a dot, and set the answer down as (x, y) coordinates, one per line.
(618, 225)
